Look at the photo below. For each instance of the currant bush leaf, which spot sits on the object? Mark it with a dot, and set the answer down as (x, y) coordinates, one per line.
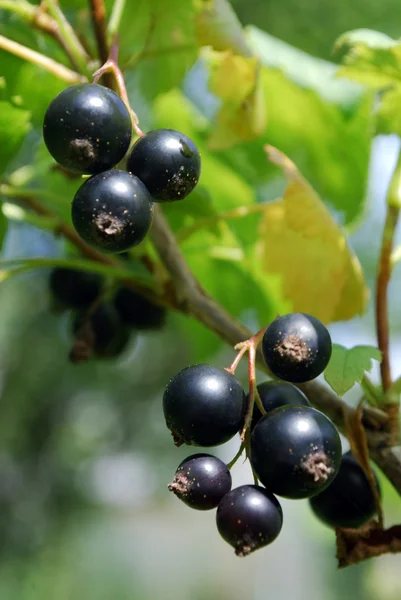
(370, 57)
(14, 125)
(158, 44)
(218, 26)
(347, 366)
(235, 81)
(300, 242)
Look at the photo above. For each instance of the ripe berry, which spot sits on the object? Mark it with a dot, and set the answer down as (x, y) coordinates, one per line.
(348, 502)
(248, 518)
(101, 333)
(74, 288)
(167, 162)
(201, 481)
(203, 406)
(296, 347)
(112, 211)
(295, 451)
(275, 394)
(87, 128)
(137, 311)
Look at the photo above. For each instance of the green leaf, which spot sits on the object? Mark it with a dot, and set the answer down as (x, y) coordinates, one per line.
(158, 44)
(388, 115)
(14, 125)
(370, 57)
(347, 366)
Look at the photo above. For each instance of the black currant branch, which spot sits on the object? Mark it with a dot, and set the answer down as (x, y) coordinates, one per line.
(317, 469)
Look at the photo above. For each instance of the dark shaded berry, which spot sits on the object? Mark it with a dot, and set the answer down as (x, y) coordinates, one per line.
(203, 406)
(102, 332)
(112, 211)
(139, 312)
(295, 451)
(348, 501)
(167, 162)
(248, 518)
(87, 128)
(201, 481)
(274, 394)
(296, 347)
(74, 288)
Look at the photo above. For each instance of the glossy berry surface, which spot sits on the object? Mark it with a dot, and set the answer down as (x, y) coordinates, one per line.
(201, 481)
(87, 128)
(296, 347)
(248, 518)
(274, 394)
(102, 330)
(112, 211)
(167, 162)
(137, 311)
(348, 501)
(203, 406)
(74, 288)
(295, 451)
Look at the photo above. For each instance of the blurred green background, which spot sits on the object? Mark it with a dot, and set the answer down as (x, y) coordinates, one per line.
(85, 456)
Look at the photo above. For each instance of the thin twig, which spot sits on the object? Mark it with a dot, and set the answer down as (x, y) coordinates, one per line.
(115, 19)
(111, 66)
(39, 59)
(98, 12)
(384, 272)
(69, 37)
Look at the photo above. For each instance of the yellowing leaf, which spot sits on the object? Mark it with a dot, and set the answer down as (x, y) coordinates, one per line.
(234, 79)
(300, 241)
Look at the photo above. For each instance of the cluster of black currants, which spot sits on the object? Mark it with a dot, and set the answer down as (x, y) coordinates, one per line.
(294, 450)
(87, 129)
(102, 324)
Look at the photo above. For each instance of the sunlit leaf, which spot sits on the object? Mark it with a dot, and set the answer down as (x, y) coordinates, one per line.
(370, 57)
(300, 241)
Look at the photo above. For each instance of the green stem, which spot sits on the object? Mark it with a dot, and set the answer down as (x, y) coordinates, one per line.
(19, 7)
(40, 60)
(237, 456)
(69, 37)
(371, 392)
(27, 264)
(115, 19)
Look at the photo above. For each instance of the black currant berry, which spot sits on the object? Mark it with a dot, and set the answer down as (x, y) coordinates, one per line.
(295, 451)
(137, 311)
(203, 406)
(296, 347)
(275, 394)
(87, 128)
(100, 333)
(348, 501)
(167, 162)
(112, 211)
(74, 288)
(201, 481)
(248, 518)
